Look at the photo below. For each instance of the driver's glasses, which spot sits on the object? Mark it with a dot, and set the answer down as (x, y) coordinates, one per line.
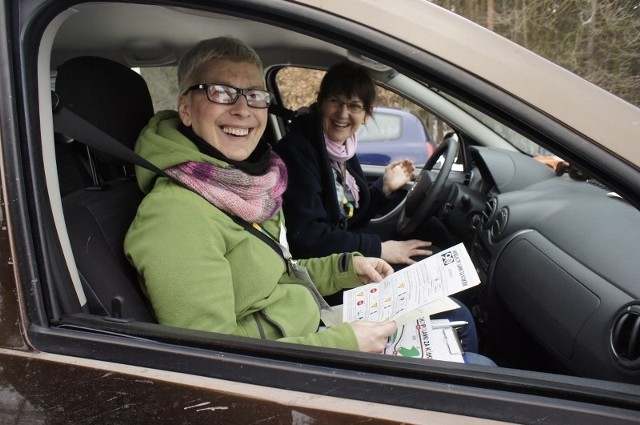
(228, 95)
(353, 107)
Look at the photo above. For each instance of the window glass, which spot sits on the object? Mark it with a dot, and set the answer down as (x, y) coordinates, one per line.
(381, 127)
(163, 86)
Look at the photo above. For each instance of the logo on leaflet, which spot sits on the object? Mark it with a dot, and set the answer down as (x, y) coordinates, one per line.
(447, 258)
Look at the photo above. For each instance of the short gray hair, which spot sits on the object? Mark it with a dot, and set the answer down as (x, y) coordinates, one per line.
(211, 49)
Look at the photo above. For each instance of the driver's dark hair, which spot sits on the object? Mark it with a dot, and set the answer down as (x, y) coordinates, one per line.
(350, 80)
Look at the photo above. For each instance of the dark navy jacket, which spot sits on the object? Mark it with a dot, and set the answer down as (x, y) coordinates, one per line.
(311, 209)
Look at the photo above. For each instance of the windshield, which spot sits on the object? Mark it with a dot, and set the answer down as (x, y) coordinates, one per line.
(517, 140)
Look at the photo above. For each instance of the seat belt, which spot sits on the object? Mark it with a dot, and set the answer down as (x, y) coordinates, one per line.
(74, 126)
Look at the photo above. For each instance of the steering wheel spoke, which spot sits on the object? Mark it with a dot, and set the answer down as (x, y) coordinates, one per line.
(423, 199)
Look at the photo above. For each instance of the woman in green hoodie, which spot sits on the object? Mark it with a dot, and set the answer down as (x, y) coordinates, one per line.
(209, 243)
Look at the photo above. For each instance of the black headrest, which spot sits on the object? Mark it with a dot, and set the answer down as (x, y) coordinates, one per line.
(109, 95)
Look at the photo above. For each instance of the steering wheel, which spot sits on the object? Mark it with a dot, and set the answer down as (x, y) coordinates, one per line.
(424, 198)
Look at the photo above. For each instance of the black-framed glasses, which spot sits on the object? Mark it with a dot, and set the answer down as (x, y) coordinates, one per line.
(353, 107)
(228, 95)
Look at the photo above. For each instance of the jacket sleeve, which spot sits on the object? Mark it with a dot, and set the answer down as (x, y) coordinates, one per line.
(339, 336)
(311, 230)
(331, 274)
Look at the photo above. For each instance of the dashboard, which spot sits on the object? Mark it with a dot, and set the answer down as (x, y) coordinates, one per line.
(556, 255)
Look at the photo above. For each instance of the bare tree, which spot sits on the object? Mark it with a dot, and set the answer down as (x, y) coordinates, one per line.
(491, 8)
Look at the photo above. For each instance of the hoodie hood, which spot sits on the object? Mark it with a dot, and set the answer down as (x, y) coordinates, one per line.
(162, 144)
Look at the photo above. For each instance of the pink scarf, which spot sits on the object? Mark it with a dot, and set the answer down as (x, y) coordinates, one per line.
(340, 153)
(253, 198)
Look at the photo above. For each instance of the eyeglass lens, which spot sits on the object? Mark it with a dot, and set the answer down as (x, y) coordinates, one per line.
(220, 93)
(351, 106)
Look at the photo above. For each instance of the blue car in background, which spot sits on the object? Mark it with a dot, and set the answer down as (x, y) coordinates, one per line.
(391, 134)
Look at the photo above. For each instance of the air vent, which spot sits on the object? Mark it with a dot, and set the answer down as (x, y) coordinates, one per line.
(625, 336)
(489, 211)
(499, 223)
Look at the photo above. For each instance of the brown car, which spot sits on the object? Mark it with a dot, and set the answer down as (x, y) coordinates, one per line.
(558, 307)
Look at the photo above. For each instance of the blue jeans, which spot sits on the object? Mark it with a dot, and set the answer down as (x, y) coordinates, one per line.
(479, 359)
(467, 333)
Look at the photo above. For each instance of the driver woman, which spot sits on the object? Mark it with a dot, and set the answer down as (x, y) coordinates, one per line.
(328, 201)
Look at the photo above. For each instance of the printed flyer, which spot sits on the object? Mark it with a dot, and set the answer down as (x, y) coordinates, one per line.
(408, 292)
(409, 296)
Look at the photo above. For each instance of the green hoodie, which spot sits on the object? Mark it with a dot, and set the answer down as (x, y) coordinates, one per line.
(201, 270)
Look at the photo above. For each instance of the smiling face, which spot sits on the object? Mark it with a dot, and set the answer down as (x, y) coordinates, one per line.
(236, 129)
(340, 122)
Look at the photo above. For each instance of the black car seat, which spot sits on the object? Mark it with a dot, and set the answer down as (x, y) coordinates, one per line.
(116, 100)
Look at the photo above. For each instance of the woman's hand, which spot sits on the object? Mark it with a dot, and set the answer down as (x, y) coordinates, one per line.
(370, 269)
(373, 336)
(396, 175)
(400, 252)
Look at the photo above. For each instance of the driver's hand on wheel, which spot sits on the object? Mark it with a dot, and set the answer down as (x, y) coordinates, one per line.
(400, 252)
(396, 175)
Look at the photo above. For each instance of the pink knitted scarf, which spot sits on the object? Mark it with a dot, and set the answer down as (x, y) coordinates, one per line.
(340, 153)
(252, 198)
